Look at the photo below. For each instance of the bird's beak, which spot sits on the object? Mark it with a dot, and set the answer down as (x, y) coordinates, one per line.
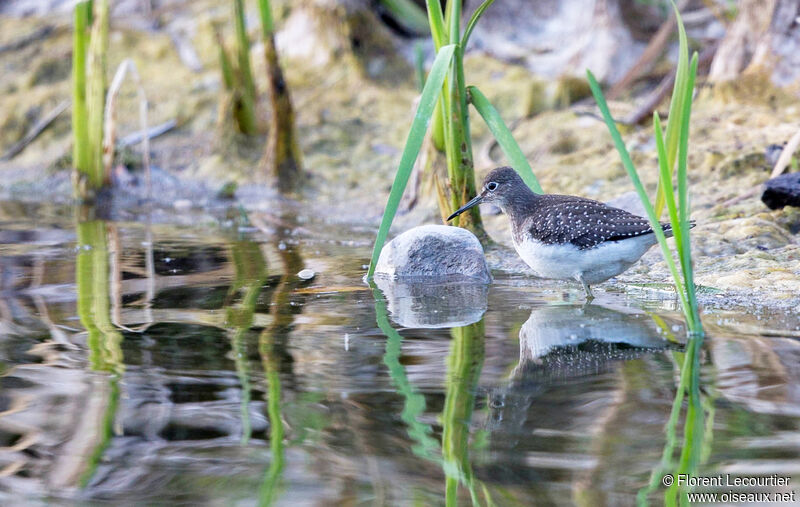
(471, 204)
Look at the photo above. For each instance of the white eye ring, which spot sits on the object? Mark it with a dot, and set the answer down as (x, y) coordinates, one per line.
(491, 186)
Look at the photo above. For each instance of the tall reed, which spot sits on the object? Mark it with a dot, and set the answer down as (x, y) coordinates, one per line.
(80, 126)
(672, 148)
(237, 74)
(675, 196)
(283, 157)
(443, 104)
(96, 93)
(89, 62)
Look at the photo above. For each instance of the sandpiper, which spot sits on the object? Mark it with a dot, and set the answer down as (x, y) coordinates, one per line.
(565, 237)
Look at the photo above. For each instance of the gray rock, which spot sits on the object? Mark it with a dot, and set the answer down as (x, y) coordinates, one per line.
(434, 252)
(434, 305)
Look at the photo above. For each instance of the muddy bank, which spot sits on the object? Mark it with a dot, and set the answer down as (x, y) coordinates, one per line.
(354, 102)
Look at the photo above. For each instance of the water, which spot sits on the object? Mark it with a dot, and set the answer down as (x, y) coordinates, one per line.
(211, 374)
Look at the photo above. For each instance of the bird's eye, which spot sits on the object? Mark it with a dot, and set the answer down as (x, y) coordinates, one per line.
(491, 186)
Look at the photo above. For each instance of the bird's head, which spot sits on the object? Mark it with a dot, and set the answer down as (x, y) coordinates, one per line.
(498, 186)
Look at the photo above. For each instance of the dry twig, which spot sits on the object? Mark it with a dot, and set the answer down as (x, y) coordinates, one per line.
(34, 132)
(124, 68)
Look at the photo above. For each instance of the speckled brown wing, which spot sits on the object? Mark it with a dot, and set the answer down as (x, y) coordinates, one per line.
(585, 223)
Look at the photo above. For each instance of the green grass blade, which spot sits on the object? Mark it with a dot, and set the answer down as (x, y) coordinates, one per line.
(675, 106)
(504, 138)
(265, 11)
(683, 193)
(666, 183)
(436, 22)
(225, 65)
(452, 20)
(422, 118)
(97, 60)
(683, 201)
(637, 183)
(408, 14)
(473, 20)
(80, 127)
(242, 49)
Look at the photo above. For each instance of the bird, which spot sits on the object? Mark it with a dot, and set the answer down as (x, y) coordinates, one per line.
(566, 237)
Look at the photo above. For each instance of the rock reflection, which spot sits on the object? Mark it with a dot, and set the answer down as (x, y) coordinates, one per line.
(464, 365)
(434, 305)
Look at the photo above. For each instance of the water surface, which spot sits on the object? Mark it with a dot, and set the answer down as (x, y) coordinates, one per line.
(155, 362)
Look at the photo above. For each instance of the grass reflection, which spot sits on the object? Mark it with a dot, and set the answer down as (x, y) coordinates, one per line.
(271, 363)
(697, 429)
(103, 339)
(426, 446)
(270, 343)
(94, 304)
(463, 371)
(250, 269)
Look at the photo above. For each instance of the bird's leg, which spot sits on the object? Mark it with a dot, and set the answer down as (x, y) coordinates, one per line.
(587, 289)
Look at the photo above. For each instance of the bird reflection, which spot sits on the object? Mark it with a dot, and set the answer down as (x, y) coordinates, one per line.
(559, 344)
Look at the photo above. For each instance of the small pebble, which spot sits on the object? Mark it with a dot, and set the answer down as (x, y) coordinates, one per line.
(182, 204)
(306, 274)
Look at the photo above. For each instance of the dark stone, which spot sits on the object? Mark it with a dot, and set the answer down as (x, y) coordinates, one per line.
(782, 191)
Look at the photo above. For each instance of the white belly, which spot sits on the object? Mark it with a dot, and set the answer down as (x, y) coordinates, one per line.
(594, 265)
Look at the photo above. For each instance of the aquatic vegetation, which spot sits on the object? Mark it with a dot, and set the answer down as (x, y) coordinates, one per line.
(408, 14)
(237, 74)
(95, 92)
(88, 89)
(697, 433)
(92, 274)
(443, 104)
(675, 147)
(464, 365)
(250, 267)
(283, 157)
(104, 340)
(127, 67)
(80, 42)
(93, 102)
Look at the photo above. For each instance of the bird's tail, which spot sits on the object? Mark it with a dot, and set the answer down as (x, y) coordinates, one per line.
(668, 227)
